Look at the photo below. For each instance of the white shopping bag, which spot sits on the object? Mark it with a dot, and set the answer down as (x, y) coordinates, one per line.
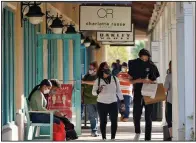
(149, 90)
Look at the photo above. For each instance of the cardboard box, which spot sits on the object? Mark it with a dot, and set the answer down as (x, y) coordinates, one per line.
(160, 95)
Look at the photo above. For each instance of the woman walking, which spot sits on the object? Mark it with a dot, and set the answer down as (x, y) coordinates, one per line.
(168, 89)
(106, 87)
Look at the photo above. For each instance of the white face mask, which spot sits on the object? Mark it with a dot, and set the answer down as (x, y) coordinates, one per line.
(123, 69)
(46, 91)
(91, 71)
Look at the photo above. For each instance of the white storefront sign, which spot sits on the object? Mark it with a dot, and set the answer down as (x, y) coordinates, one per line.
(119, 43)
(116, 36)
(105, 18)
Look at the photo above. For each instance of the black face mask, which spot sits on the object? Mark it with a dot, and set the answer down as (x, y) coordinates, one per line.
(107, 71)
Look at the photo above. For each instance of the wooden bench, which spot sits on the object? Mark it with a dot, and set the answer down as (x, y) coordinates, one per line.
(35, 126)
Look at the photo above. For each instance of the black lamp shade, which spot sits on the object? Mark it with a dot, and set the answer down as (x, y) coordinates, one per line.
(57, 23)
(97, 46)
(82, 36)
(93, 44)
(34, 11)
(71, 29)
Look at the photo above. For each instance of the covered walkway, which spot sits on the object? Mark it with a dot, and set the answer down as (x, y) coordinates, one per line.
(35, 48)
(126, 131)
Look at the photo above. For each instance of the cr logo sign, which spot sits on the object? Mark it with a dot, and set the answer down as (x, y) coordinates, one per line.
(105, 13)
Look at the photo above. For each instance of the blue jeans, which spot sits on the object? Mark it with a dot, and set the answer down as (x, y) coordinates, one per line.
(127, 101)
(93, 116)
(43, 118)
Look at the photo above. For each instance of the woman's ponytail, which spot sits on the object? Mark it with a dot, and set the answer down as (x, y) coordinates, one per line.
(34, 89)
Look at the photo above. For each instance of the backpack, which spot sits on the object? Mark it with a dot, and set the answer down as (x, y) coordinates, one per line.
(113, 78)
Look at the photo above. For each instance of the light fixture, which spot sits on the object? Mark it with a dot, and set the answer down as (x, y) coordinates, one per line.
(70, 29)
(97, 46)
(87, 42)
(82, 38)
(93, 44)
(57, 24)
(34, 14)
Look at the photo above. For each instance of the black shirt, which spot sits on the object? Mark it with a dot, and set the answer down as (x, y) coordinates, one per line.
(140, 69)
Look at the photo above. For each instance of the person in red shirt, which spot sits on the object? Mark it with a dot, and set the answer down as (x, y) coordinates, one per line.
(126, 88)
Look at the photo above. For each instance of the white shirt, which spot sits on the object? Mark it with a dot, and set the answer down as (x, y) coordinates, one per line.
(168, 85)
(109, 91)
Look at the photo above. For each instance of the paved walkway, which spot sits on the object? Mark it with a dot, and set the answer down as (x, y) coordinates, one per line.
(125, 131)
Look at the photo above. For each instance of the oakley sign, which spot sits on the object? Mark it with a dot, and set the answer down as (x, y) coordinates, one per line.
(105, 18)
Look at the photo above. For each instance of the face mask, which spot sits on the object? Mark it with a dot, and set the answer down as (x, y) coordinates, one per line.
(52, 92)
(123, 70)
(46, 91)
(91, 71)
(107, 71)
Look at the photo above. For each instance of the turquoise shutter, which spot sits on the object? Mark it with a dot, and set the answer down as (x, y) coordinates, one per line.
(8, 86)
(30, 68)
(52, 58)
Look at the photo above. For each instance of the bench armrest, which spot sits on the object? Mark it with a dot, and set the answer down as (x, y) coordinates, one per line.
(49, 112)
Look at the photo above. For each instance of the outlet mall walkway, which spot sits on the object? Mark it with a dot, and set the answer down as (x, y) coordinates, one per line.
(58, 40)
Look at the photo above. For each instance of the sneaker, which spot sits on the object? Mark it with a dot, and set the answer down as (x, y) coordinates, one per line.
(94, 134)
(136, 137)
(121, 118)
(125, 120)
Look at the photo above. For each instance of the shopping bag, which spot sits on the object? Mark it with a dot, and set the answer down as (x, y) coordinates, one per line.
(59, 133)
(159, 97)
(149, 90)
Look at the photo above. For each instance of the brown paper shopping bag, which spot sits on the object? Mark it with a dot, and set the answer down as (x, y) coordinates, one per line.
(159, 97)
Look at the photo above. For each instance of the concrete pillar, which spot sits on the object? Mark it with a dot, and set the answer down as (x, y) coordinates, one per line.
(178, 70)
(169, 31)
(45, 42)
(19, 60)
(166, 48)
(194, 66)
(189, 69)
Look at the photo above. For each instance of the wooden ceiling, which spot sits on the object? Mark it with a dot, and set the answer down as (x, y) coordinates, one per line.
(141, 11)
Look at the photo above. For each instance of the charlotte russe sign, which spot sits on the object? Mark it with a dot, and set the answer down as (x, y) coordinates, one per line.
(116, 36)
(105, 18)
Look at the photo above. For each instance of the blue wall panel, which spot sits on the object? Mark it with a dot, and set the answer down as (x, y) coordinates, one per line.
(30, 67)
(52, 58)
(8, 87)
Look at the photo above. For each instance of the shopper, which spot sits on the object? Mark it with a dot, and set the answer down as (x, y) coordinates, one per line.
(89, 100)
(142, 70)
(106, 87)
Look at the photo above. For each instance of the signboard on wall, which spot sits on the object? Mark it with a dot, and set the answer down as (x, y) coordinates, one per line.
(105, 18)
(116, 36)
(155, 51)
(62, 100)
(119, 43)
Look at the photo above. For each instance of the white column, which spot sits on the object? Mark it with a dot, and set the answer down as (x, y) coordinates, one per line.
(162, 46)
(166, 48)
(169, 31)
(189, 68)
(178, 70)
(194, 65)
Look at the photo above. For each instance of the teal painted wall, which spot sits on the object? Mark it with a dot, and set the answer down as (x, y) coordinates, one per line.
(30, 66)
(52, 58)
(8, 69)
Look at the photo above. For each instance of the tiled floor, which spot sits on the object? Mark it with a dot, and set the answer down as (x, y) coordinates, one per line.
(126, 132)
